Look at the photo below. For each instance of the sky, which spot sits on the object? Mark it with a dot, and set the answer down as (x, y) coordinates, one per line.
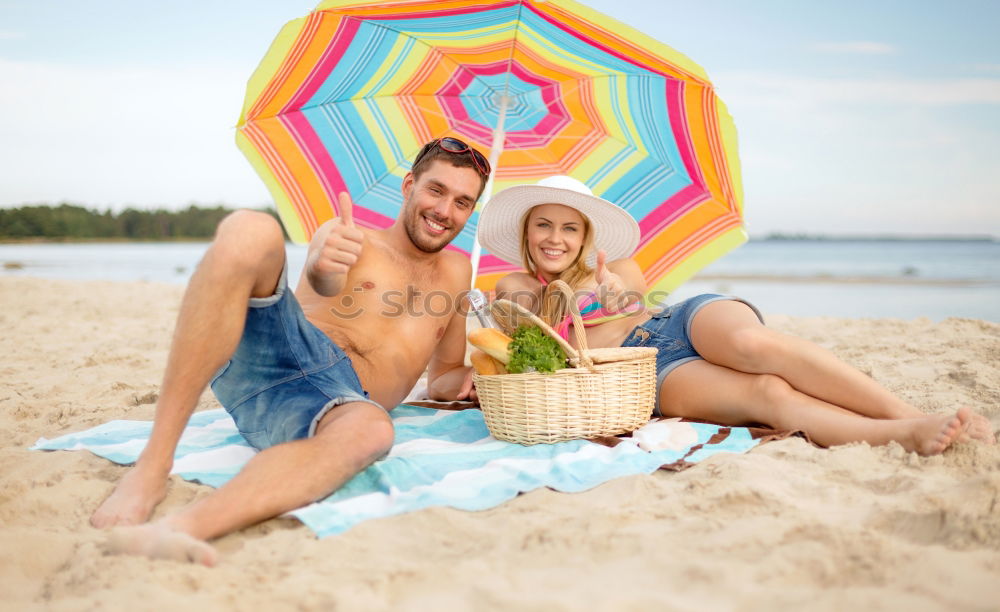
(854, 117)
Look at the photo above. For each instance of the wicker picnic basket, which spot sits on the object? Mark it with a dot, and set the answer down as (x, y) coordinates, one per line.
(606, 391)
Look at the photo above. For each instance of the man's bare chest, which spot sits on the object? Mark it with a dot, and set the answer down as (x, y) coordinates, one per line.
(387, 302)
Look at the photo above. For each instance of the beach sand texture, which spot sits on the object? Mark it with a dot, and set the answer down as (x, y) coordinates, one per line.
(787, 524)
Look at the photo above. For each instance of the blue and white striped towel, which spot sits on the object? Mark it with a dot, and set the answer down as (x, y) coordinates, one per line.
(440, 458)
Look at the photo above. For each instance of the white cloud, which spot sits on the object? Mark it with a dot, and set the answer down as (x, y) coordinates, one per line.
(986, 68)
(855, 47)
(855, 155)
(118, 136)
(762, 89)
(11, 35)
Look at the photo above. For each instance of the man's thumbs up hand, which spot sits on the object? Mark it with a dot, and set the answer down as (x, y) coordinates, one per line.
(343, 244)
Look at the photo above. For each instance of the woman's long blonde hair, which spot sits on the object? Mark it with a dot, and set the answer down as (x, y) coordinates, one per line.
(554, 307)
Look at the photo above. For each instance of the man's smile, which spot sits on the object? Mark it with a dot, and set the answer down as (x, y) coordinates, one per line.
(434, 226)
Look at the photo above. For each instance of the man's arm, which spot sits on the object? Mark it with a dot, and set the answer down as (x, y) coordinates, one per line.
(448, 378)
(334, 248)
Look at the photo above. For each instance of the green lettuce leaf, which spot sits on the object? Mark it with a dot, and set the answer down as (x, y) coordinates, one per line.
(534, 351)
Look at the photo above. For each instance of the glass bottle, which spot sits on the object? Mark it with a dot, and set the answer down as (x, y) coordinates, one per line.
(479, 307)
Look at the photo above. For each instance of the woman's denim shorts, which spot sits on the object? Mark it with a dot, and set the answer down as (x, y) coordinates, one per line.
(285, 374)
(669, 332)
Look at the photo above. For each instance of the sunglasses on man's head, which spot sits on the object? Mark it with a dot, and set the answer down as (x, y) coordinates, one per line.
(454, 145)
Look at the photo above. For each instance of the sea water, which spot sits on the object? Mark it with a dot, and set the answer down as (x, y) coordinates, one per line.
(158, 262)
(866, 278)
(860, 278)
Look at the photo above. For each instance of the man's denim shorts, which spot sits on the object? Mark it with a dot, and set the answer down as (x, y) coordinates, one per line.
(669, 331)
(285, 375)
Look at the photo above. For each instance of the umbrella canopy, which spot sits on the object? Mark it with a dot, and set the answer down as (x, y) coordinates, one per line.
(346, 96)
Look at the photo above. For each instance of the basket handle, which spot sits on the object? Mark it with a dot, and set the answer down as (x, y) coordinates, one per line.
(574, 310)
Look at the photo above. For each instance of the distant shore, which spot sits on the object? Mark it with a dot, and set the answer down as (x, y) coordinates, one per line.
(69, 222)
(74, 223)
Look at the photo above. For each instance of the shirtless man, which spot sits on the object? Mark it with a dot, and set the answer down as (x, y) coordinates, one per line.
(309, 386)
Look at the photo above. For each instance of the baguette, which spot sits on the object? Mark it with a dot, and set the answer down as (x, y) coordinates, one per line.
(493, 342)
(486, 365)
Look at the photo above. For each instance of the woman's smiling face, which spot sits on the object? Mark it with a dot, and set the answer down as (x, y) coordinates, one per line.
(554, 235)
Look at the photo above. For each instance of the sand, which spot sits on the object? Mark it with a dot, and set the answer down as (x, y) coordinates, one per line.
(787, 524)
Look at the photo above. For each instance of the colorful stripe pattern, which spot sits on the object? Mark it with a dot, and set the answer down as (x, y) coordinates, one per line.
(346, 96)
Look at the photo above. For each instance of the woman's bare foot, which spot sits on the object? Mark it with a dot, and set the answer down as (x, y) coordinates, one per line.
(133, 500)
(931, 435)
(979, 428)
(159, 541)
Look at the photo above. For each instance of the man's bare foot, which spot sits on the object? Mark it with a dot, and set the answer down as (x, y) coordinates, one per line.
(933, 434)
(133, 500)
(159, 541)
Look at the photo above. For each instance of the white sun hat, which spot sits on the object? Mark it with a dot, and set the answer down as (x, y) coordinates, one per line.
(615, 231)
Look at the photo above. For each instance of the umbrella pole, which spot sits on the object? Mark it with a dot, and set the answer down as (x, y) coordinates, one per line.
(496, 148)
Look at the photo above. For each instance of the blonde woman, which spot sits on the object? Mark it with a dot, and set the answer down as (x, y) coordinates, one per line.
(716, 360)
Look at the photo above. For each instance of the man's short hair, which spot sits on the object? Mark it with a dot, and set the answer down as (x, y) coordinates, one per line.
(465, 158)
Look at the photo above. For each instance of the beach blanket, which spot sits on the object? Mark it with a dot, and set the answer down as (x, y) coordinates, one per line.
(440, 458)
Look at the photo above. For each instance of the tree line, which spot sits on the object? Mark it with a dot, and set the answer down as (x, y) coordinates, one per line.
(68, 221)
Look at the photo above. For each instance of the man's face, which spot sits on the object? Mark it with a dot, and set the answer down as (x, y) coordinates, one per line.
(437, 205)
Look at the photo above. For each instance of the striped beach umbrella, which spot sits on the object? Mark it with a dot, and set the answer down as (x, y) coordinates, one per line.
(346, 96)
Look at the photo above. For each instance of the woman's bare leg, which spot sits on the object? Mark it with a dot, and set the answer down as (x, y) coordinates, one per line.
(728, 333)
(703, 390)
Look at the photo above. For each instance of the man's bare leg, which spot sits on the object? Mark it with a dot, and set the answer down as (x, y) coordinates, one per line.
(278, 479)
(728, 333)
(244, 260)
